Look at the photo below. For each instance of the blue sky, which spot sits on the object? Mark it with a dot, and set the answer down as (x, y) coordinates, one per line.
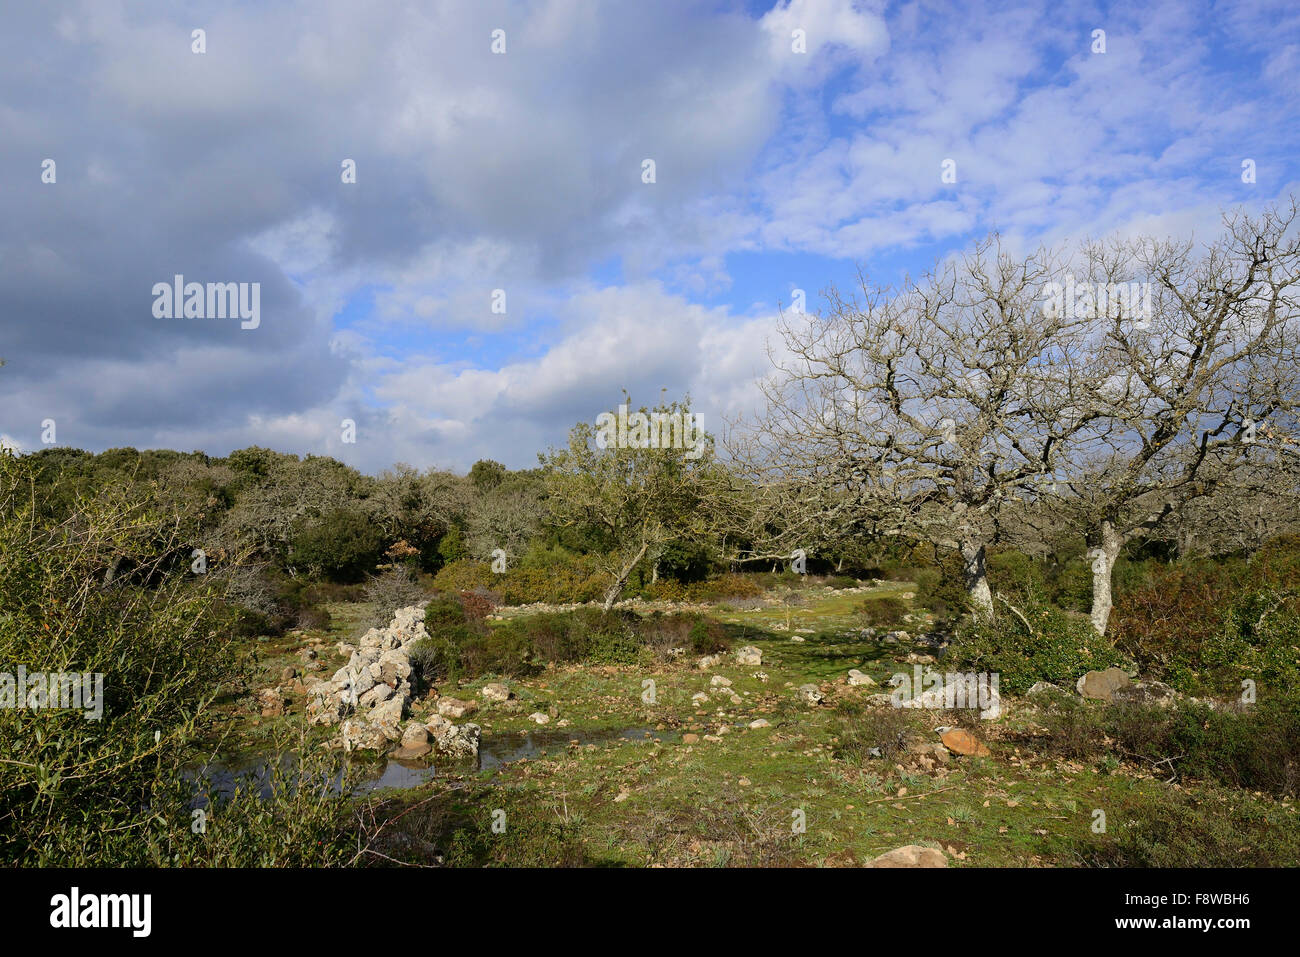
(775, 170)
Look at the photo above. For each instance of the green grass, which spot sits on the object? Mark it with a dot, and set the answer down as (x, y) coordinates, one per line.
(731, 801)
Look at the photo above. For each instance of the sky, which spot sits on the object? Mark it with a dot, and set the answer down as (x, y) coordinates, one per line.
(794, 145)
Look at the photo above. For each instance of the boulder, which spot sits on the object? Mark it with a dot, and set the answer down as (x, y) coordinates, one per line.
(414, 734)
(857, 679)
(360, 735)
(495, 691)
(811, 694)
(538, 717)
(271, 702)
(911, 855)
(455, 707)
(718, 681)
(1146, 692)
(960, 741)
(458, 741)
(376, 695)
(749, 655)
(1102, 685)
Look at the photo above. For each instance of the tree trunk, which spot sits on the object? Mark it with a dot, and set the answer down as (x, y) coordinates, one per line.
(616, 589)
(977, 579)
(1103, 569)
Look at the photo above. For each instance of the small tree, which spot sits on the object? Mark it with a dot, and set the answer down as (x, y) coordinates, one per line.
(634, 497)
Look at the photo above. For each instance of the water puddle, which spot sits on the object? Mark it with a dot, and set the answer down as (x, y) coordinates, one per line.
(255, 772)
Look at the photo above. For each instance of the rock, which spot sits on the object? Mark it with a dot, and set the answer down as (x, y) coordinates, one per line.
(495, 691)
(271, 702)
(1146, 692)
(392, 668)
(455, 707)
(387, 716)
(798, 638)
(410, 752)
(1039, 687)
(376, 695)
(361, 735)
(760, 723)
(811, 694)
(708, 661)
(961, 690)
(700, 698)
(880, 700)
(458, 741)
(912, 855)
(307, 654)
(857, 678)
(1102, 685)
(414, 735)
(960, 741)
(718, 681)
(345, 650)
(749, 655)
(538, 717)
(288, 674)
(894, 637)
(690, 739)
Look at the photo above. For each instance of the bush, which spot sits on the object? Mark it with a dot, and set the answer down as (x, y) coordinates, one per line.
(1257, 749)
(707, 637)
(160, 641)
(1056, 647)
(1204, 627)
(882, 730)
(342, 545)
(884, 612)
(390, 590)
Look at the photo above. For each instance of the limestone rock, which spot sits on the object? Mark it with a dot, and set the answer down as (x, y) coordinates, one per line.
(1102, 685)
(911, 855)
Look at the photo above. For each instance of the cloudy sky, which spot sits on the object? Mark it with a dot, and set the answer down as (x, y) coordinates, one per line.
(775, 170)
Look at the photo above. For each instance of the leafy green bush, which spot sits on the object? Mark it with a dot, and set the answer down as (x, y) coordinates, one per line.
(885, 611)
(1054, 646)
(342, 544)
(73, 790)
(707, 637)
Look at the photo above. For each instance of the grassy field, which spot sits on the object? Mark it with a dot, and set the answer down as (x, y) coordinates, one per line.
(614, 780)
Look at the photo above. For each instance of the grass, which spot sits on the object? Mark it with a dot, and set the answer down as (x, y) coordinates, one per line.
(803, 791)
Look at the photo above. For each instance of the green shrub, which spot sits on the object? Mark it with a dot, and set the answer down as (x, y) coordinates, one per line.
(1056, 647)
(72, 789)
(884, 612)
(343, 545)
(707, 637)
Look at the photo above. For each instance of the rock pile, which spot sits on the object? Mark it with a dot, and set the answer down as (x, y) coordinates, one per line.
(371, 694)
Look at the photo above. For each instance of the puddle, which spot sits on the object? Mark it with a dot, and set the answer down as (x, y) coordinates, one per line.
(498, 749)
(495, 750)
(255, 772)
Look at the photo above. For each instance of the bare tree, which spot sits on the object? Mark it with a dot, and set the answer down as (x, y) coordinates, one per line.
(926, 410)
(1201, 392)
